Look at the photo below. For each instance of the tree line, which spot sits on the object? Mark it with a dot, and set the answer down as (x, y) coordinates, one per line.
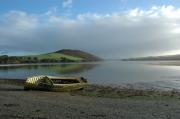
(5, 59)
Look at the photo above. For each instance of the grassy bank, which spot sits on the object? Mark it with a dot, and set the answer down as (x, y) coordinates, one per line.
(61, 56)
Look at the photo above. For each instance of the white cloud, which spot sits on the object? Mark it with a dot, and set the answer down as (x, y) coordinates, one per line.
(130, 33)
(52, 11)
(67, 3)
(21, 20)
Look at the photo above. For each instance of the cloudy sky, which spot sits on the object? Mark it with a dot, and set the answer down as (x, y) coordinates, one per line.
(108, 28)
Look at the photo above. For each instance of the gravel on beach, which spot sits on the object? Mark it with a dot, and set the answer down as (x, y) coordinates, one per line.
(15, 103)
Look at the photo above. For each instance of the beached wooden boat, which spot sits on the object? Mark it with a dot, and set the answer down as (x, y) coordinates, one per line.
(52, 83)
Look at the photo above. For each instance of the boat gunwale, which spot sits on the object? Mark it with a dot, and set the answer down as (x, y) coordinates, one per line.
(58, 86)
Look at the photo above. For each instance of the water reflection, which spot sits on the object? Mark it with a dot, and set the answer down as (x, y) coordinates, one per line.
(105, 73)
(56, 68)
(71, 68)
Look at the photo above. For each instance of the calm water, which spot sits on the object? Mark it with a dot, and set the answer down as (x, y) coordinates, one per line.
(108, 72)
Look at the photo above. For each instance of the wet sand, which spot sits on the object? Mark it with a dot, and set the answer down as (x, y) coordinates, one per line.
(95, 102)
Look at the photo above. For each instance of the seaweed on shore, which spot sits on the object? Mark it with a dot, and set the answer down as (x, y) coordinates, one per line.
(19, 82)
(110, 92)
(118, 92)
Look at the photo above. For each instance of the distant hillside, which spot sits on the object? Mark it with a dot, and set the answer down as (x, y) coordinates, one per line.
(58, 56)
(78, 53)
(154, 58)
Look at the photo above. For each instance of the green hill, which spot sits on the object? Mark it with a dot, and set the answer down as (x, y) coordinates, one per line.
(80, 54)
(57, 56)
(65, 55)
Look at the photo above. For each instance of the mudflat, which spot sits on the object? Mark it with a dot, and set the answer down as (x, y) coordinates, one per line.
(15, 103)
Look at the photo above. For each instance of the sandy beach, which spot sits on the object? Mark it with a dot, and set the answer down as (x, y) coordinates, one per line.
(15, 103)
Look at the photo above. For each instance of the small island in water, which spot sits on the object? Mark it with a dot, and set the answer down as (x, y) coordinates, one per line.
(60, 56)
(155, 58)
